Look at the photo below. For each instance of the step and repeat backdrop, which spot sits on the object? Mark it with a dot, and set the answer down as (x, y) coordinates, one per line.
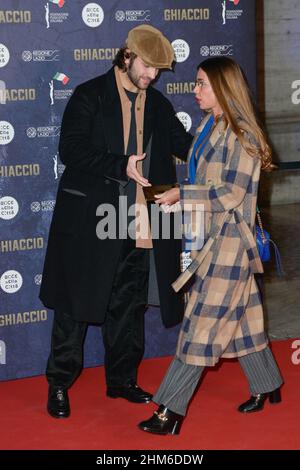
(46, 49)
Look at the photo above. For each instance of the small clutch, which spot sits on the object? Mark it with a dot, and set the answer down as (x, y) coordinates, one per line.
(151, 191)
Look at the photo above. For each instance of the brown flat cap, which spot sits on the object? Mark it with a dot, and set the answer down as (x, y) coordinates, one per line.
(151, 46)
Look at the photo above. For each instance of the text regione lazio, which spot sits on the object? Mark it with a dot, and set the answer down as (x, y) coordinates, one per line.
(47, 48)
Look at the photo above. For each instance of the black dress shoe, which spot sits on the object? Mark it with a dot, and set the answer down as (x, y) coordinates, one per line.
(163, 422)
(58, 402)
(131, 392)
(256, 403)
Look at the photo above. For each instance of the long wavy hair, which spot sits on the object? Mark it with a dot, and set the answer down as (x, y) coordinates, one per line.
(232, 92)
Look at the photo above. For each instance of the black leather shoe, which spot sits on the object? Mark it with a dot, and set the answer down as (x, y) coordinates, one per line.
(163, 422)
(58, 402)
(256, 403)
(131, 392)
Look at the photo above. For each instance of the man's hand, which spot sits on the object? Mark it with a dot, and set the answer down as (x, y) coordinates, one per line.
(169, 197)
(132, 172)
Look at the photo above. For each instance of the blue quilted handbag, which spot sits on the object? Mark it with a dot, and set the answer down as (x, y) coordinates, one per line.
(263, 242)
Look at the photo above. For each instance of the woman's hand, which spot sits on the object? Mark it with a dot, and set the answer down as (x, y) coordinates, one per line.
(169, 197)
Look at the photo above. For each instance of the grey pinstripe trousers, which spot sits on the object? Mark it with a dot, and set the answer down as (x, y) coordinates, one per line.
(181, 379)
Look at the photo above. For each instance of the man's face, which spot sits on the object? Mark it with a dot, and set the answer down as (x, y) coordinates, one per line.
(140, 74)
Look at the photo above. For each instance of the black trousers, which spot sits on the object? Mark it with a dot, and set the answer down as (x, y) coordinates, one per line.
(122, 331)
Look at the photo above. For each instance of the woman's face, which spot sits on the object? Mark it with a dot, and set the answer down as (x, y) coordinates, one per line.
(204, 94)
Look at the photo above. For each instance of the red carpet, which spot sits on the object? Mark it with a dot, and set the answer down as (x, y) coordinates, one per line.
(101, 423)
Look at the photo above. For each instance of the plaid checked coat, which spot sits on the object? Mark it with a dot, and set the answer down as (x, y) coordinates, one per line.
(224, 316)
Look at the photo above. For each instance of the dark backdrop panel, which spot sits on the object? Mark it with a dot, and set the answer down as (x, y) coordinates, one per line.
(46, 49)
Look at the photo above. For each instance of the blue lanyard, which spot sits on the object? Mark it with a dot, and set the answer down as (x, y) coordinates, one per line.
(198, 148)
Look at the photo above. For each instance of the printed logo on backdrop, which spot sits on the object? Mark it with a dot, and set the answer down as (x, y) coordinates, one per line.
(133, 15)
(7, 132)
(9, 207)
(230, 13)
(216, 50)
(179, 88)
(21, 318)
(11, 281)
(41, 56)
(186, 14)
(60, 93)
(181, 49)
(42, 132)
(186, 119)
(58, 167)
(92, 15)
(12, 171)
(42, 206)
(105, 53)
(8, 95)
(52, 13)
(4, 55)
(15, 16)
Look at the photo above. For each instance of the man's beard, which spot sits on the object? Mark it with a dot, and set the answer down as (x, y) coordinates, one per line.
(136, 79)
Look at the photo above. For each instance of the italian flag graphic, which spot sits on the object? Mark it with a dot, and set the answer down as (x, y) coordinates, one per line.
(60, 3)
(61, 77)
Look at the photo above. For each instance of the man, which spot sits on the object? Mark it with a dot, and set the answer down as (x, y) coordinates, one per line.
(109, 125)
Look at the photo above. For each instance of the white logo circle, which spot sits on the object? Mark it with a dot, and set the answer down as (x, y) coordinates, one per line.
(204, 50)
(35, 206)
(92, 15)
(11, 281)
(181, 49)
(120, 15)
(7, 132)
(31, 132)
(4, 55)
(9, 207)
(186, 120)
(26, 56)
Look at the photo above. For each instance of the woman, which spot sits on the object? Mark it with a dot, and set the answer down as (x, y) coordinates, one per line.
(224, 316)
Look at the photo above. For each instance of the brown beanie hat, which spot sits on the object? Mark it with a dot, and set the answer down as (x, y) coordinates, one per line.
(151, 46)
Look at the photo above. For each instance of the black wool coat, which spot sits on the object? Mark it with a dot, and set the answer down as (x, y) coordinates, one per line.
(79, 268)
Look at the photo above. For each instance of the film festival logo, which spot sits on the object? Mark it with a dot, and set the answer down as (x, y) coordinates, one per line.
(9, 207)
(59, 94)
(92, 15)
(54, 17)
(11, 281)
(133, 15)
(41, 56)
(228, 13)
(7, 132)
(216, 50)
(185, 119)
(4, 55)
(181, 49)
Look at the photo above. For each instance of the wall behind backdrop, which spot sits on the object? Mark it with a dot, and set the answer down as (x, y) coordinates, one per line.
(46, 49)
